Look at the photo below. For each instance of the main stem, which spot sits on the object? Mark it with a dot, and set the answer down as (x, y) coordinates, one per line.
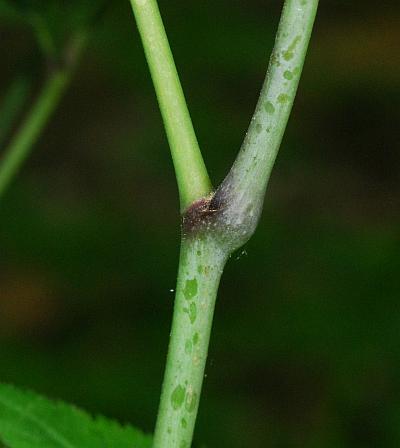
(200, 267)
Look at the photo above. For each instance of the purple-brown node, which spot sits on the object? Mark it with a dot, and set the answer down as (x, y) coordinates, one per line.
(198, 215)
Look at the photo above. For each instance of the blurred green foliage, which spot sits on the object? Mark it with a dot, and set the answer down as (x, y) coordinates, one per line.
(305, 348)
(53, 22)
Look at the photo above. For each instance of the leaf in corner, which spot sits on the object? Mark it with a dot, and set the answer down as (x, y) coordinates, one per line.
(28, 420)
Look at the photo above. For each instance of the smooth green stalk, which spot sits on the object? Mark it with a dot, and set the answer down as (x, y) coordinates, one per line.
(191, 173)
(30, 129)
(213, 227)
(12, 104)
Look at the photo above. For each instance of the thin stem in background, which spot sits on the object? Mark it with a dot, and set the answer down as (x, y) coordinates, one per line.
(191, 173)
(20, 146)
(30, 129)
(12, 104)
(243, 190)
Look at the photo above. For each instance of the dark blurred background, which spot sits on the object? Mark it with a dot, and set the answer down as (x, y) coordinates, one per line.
(305, 350)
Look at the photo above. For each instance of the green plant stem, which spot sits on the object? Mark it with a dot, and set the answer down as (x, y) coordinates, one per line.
(200, 268)
(38, 116)
(12, 104)
(191, 174)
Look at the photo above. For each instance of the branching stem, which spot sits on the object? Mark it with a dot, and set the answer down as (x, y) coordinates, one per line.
(213, 227)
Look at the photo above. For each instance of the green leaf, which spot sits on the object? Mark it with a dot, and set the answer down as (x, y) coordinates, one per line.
(28, 420)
